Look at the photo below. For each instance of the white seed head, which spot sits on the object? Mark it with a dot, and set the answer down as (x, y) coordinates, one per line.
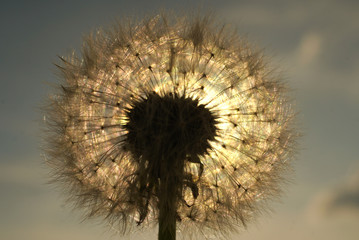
(182, 101)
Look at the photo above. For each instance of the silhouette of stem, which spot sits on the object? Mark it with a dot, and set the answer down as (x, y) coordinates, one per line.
(167, 207)
(166, 230)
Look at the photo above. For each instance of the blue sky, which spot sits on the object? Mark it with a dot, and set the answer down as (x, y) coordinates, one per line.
(314, 43)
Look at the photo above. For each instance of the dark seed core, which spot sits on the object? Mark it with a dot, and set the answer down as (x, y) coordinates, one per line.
(166, 130)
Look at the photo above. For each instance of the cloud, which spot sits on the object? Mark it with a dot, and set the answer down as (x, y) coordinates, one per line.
(309, 48)
(339, 202)
(346, 197)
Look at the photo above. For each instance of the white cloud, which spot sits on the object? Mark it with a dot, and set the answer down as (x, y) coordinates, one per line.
(341, 202)
(309, 48)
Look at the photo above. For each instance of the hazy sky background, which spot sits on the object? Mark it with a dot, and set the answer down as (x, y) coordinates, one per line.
(314, 43)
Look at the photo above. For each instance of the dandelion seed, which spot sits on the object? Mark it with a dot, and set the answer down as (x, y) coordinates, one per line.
(177, 124)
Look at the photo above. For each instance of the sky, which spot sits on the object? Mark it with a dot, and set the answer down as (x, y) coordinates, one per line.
(315, 44)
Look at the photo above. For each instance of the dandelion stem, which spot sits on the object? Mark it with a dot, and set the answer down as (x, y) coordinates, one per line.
(167, 209)
(168, 232)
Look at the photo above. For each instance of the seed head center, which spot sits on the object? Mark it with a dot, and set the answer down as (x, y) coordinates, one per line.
(170, 128)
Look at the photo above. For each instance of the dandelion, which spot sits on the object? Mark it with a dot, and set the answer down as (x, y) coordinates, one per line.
(176, 123)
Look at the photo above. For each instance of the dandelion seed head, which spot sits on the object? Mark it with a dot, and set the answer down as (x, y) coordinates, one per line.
(182, 101)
